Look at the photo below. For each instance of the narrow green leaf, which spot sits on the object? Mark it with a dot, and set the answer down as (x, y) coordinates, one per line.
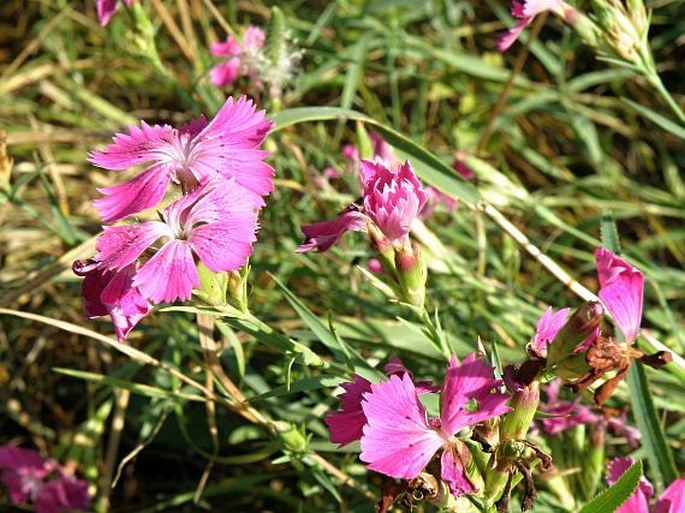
(427, 165)
(136, 388)
(613, 497)
(657, 119)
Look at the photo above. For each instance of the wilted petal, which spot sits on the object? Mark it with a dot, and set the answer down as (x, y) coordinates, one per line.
(452, 471)
(473, 380)
(397, 440)
(673, 498)
(322, 235)
(621, 290)
(169, 275)
(347, 425)
(124, 302)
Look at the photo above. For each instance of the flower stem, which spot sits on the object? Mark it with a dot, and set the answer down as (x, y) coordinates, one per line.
(655, 81)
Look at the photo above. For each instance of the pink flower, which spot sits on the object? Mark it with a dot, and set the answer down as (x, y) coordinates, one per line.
(525, 11)
(434, 198)
(107, 8)
(548, 326)
(392, 198)
(238, 55)
(215, 224)
(673, 498)
(192, 155)
(399, 439)
(621, 288)
(111, 293)
(464, 171)
(31, 479)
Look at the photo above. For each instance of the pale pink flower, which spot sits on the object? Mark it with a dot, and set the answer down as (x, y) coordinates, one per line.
(194, 154)
(215, 224)
(392, 198)
(621, 288)
(525, 11)
(107, 8)
(399, 439)
(29, 478)
(111, 293)
(238, 55)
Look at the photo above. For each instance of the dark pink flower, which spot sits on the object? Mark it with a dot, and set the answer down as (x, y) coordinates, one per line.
(238, 54)
(525, 11)
(112, 293)
(107, 8)
(392, 198)
(226, 147)
(621, 288)
(31, 479)
(399, 439)
(216, 224)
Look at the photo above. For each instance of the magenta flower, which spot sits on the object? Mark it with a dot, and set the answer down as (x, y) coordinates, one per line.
(399, 439)
(192, 155)
(673, 498)
(392, 198)
(107, 8)
(239, 56)
(621, 288)
(525, 11)
(112, 293)
(548, 326)
(215, 224)
(29, 478)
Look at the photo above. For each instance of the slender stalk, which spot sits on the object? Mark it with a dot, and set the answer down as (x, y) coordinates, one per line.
(105, 484)
(655, 81)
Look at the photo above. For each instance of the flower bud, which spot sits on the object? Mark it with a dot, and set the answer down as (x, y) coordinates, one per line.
(412, 274)
(294, 439)
(524, 402)
(581, 325)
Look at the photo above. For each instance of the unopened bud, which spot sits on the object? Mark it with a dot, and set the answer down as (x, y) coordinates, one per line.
(412, 274)
(295, 440)
(582, 323)
(524, 402)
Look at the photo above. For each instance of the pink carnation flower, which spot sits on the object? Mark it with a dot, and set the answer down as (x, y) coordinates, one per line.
(238, 55)
(399, 439)
(111, 293)
(525, 11)
(107, 8)
(548, 326)
(215, 224)
(324, 234)
(392, 198)
(621, 288)
(194, 154)
(29, 478)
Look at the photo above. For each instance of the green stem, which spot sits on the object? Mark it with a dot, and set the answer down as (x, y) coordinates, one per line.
(655, 81)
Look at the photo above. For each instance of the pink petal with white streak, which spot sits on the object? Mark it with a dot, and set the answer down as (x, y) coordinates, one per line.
(169, 275)
(397, 440)
(119, 246)
(142, 192)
